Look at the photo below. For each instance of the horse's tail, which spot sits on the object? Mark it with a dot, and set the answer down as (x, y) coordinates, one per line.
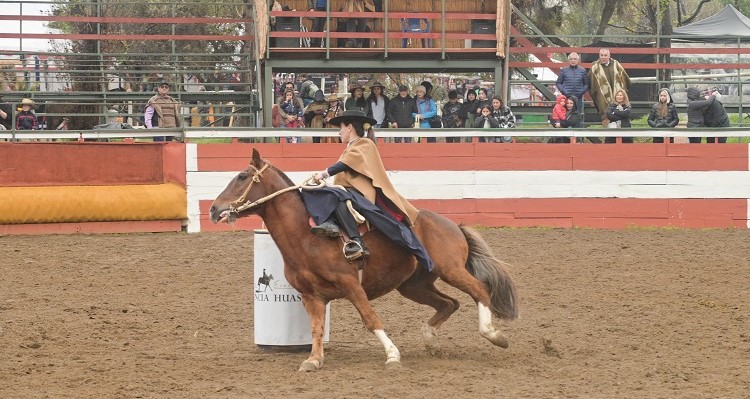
(483, 265)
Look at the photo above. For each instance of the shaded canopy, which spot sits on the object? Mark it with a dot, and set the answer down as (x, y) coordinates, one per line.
(726, 26)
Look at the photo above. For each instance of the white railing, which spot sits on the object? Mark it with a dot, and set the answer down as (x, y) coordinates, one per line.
(270, 133)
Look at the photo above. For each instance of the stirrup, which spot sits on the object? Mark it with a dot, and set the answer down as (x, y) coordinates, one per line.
(354, 250)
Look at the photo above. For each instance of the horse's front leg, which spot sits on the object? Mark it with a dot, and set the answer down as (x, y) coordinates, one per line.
(316, 310)
(373, 323)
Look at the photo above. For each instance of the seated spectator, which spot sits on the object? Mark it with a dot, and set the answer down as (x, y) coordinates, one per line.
(453, 115)
(558, 111)
(618, 114)
(26, 118)
(663, 114)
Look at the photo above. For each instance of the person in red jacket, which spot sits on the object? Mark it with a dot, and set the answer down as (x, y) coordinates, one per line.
(559, 110)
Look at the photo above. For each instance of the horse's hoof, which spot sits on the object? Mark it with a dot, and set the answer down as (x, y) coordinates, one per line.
(308, 366)
(433, 349)
(393, 364)
(500, 340)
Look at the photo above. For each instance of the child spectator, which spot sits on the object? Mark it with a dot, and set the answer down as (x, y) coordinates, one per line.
(291, 108)
(559, 110)
(26, 118)
(486, 120)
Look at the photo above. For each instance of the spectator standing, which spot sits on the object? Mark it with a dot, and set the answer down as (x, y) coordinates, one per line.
(6, 116)
(663, 114)
(572, 119)
(696, 106)
(504, 117)
(319, 23)
(162, 111)
(401, 111)
(26, 118)
(606, 77)
(378, 104)
(470, 108)
(335, 109)
(486, 120)
(573, 80)
(453, 115)
(357, 24)
(293, 111)
(357, 101)
(618, 115)
(315, 113)
(482, 100)
(297, 102)
(716, 116)
(426, 110)
(307, 89)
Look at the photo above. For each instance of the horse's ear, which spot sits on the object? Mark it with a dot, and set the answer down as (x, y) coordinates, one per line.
(256, 158)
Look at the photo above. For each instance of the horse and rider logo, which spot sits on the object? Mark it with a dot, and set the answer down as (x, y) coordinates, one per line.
(264, 280)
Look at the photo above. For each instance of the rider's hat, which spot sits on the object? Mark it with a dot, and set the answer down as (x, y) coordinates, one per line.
(351, 116)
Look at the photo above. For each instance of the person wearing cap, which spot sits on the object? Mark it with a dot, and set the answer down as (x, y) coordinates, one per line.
(378, 104)
(357, 101)
(470, 106)
(26, 118)
(6, 116)
(401, 110)
(370, 192)
(162, 111)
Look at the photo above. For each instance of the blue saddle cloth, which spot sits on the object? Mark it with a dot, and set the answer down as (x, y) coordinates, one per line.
(322, 202)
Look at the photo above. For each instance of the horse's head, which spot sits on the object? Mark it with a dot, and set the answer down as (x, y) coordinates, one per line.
(238, 198)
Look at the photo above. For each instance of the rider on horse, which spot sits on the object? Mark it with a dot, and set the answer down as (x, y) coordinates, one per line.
(360, 170)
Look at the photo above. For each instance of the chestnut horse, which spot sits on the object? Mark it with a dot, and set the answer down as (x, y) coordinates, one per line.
(316, 268)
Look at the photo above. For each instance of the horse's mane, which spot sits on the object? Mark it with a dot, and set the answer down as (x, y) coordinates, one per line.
(281, 174)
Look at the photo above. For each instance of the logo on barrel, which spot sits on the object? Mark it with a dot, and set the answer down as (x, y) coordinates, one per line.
(266, 282)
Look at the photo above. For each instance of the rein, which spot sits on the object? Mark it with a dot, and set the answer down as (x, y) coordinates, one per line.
(244, 204)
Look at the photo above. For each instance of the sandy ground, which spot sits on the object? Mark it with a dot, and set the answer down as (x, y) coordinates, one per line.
(605, 314)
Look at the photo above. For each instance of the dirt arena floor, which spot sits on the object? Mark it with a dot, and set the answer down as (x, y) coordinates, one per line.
(604, 314)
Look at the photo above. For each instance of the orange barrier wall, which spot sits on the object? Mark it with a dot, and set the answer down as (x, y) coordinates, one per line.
(90, 187)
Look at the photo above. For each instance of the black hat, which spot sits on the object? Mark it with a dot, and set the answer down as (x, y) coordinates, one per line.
(403, 88)
(427, 85)
(453, 94)
(377, 84)
(353, 115)
(164, 83)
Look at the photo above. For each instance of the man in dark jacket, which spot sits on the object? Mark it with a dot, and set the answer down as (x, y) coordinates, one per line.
(716, 116)
(400, 111)
(573, 80)
(696, 110)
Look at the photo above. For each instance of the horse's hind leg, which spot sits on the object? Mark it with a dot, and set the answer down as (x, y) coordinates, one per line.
(460, 278)
(421, 289)
(316, 310)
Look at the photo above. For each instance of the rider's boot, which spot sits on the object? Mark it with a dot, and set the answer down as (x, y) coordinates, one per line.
(327, 229)
(354, 248)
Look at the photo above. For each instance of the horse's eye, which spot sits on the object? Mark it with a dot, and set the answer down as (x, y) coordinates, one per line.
(242, 176)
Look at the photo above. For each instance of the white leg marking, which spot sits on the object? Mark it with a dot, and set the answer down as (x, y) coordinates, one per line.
(487, 330)
(429, 334)
(391, 352)
(485, 320)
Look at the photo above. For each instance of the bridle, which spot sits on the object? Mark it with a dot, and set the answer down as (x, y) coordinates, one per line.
(242, 204)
